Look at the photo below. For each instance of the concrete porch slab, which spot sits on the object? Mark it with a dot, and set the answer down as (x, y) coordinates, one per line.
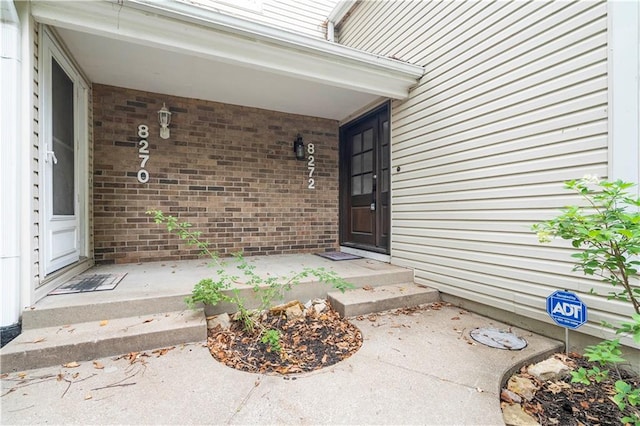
(151, 279)
(156, 287)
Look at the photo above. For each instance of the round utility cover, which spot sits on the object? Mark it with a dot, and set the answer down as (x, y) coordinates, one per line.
(498, 339)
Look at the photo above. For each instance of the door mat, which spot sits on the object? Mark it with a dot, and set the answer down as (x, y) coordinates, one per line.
(338, 255)
(87, 283)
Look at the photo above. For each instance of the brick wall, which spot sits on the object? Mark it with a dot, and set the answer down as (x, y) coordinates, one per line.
(230, 170)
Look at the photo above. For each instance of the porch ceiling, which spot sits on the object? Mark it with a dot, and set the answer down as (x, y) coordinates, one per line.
(178, 49)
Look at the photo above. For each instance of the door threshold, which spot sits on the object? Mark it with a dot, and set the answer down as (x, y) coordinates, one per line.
(57, 278)
(366, 254)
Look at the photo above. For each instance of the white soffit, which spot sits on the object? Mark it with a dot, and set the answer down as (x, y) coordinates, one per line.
(179, 49)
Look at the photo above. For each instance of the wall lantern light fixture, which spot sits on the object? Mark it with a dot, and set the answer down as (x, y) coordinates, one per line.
(164, 118)
(298, 147)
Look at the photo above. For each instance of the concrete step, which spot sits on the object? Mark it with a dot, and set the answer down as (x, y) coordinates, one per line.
(363, 301)
(83, 310)
(42, 347)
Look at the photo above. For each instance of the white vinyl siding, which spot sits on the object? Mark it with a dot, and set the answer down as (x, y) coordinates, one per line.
(303, 16)
(513, 102)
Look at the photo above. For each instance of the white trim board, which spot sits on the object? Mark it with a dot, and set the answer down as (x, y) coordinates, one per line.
(624, 91)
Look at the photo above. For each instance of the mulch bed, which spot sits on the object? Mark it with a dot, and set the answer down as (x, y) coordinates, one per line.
(309, 342)
(563, 403)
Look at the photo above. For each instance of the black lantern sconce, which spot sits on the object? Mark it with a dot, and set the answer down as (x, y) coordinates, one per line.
(298, 147)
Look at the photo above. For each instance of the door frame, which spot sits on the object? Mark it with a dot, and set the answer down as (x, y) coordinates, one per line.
(50, 47)
(345, 181)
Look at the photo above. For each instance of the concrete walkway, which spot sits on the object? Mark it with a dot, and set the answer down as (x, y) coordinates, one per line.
(419, 368)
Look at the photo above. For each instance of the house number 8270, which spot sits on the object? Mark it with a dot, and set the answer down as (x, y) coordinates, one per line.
(143, 152)
(311, 165)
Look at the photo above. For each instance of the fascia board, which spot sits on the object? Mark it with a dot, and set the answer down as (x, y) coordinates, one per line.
(266, 33)
(283, 55)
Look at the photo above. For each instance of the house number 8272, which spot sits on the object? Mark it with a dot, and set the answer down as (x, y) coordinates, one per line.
(311, 165)
(143, 153)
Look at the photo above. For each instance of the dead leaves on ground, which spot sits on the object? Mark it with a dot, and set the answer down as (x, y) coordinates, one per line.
(410, 311)
(74, 374)
(308, 343)
(561, 402)
(557, 387)
(163, 351)
(134, 357)
(23, 380)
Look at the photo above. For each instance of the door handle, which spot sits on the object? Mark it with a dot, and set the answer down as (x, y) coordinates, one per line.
(52, 155)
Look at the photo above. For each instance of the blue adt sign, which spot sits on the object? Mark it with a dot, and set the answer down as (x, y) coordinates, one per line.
(566, 309)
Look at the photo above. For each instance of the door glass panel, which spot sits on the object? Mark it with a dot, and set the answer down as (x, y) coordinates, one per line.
(367, 183)
(367, 162)
(63, 141)
(384, 182)
(356, 164)
(357, 143)
(356, 185)
(385, 132)
(367, 137)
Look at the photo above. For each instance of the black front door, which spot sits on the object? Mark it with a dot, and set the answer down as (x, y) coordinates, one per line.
(364, 182)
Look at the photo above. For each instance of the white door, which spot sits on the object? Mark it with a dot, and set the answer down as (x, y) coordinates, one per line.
(62, 130)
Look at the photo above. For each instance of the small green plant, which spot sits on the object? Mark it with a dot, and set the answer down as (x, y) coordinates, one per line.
(625, 394)
(586, 377)
(271, 338)
(629, 420)
(605, 352)
(581, 376)
(184, 231)
(224, 288)
(608, 232)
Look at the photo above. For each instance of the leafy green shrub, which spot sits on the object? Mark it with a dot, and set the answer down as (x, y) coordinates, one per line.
(608, 232)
